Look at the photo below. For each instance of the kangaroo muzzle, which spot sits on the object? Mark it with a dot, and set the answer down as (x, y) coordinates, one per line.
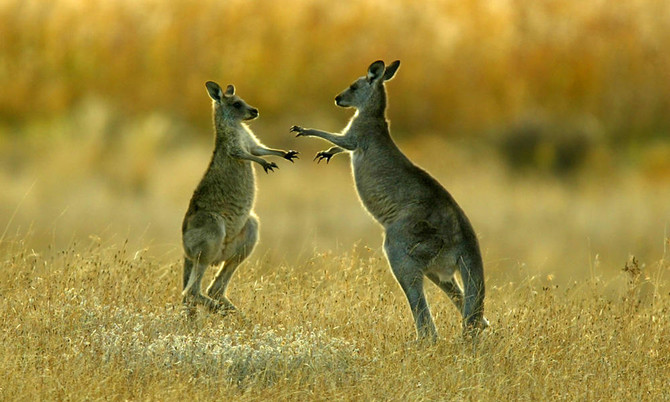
(253, 113)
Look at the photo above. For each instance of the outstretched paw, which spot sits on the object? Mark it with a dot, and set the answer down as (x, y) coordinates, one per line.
(290, 155)
(270, 166)
(323, 155)
(299, 130)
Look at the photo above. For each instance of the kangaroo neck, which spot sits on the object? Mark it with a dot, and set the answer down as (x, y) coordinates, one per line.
(225, 139)
(375, 105)
(369, 126)
(372, 115)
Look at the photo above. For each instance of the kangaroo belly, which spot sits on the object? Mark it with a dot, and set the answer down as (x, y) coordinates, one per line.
(238, 205)
(230, 194)
(394, 190)
(378, 204)
(378, 191)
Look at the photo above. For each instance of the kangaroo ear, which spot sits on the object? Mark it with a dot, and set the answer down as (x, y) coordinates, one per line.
(375, 71)
(214, 90)
(391, 69)
(230, 90)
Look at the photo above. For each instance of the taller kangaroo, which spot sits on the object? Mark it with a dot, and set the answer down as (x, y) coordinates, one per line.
(426, 233)
(219, 226)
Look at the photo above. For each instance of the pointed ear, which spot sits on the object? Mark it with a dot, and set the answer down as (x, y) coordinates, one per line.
(391, 69)
(230, 90)
(375, 71)
(214, 90)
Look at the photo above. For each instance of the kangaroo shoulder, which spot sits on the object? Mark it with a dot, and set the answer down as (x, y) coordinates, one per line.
(246, 137)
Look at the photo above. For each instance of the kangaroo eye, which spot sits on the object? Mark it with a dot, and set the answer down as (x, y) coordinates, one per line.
(237, 105)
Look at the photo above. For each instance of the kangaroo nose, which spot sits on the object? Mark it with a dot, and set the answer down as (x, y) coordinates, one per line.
(338, 98)
(254, 112)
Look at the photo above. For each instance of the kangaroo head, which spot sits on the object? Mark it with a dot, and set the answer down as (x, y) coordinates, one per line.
(368, 90)
(228, 105)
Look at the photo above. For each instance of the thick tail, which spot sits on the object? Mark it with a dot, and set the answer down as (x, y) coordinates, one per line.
(188, 266)
(190, 276)
(472, 274)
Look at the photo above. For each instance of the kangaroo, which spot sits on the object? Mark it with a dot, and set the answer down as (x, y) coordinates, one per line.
(426, 232)
(220, 226)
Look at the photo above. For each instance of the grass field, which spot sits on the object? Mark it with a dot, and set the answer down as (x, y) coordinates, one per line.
(105, 132)
(102, 321)
(90, 282)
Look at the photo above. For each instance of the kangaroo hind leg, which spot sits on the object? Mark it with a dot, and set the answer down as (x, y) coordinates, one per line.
(409, 274)
(234, 254)
(472, 274)
(451, 288)
(202, 239)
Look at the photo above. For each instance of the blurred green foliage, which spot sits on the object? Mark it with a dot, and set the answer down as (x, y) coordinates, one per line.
(469, 67)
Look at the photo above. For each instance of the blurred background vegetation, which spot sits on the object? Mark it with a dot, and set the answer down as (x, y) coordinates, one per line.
(471, 66)
(548, 120)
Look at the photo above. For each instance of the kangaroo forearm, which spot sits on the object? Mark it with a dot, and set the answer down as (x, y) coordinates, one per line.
(247, 156)
(334, 150)
(342, 141)
(262, 151)
(327, 154)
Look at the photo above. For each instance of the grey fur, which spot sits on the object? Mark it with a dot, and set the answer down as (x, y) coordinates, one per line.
(219, 226)
(426, 232)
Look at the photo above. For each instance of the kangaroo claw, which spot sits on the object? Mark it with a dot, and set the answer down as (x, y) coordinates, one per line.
(270, 166)
(323, 155)
(297, 129)
(290, 155)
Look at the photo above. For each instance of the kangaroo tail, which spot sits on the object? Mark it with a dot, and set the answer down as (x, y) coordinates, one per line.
(472, 273)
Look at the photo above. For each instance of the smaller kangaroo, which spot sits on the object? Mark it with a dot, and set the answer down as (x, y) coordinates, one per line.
(426, 232)
(219, 225)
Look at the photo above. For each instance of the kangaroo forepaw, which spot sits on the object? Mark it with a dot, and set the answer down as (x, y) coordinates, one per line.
(299, 130)
(290, 155)
(270, 166)
(323, 155)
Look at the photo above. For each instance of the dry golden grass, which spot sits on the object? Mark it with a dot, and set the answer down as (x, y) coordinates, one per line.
(90, 275)
(102, 321)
